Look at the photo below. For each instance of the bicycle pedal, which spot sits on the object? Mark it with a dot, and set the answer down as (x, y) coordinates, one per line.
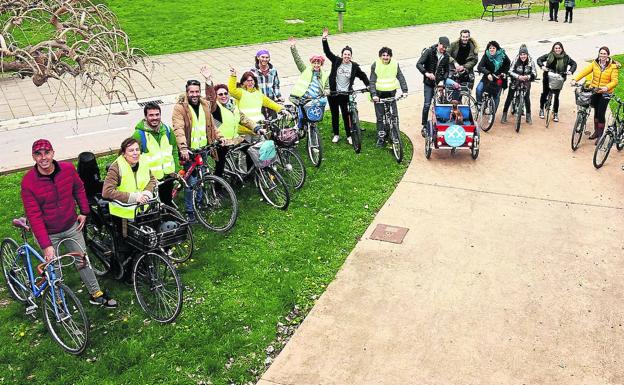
(30, 310)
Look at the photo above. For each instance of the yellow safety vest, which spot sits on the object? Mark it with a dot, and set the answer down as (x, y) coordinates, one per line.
(198, 128)
(386, 75)
(130, 183)
(229, 121)
(159, 157)
(302, 84)
(250, 104)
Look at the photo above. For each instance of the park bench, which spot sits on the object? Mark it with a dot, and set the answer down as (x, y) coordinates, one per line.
(497, 6)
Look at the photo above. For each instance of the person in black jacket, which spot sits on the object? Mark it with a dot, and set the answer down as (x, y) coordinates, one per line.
(557, 61)
(494, 65)
(341, 77)
(522, 71)
(434, 65)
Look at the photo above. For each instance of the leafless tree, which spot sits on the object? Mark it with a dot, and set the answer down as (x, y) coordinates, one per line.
(61, 39)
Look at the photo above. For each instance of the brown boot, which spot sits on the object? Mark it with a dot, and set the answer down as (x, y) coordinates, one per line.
(598, 133)
(595, 134)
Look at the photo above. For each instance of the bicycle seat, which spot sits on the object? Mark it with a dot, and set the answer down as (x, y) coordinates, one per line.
(21, 223)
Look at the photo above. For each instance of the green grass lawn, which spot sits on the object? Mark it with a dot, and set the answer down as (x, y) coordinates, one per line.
(237, 286)
(619, 90)
(177, 26)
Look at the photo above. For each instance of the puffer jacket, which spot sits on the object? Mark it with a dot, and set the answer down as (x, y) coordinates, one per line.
(519, 68)
(599, 78)
(50, 203)
(428, 62)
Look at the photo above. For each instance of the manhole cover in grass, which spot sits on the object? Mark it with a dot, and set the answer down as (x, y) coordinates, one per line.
(387, 233)
(544, 41)
(294, 21)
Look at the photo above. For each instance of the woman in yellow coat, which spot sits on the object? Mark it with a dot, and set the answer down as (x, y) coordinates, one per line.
(250, 98)
(604, 76)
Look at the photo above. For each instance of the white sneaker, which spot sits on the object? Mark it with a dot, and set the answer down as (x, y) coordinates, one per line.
(349, 140)
(335, 139)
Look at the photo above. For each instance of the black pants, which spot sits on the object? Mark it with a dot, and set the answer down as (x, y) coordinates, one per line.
(379, 111)
(544, 96)
(600, 104)
(527, 100)
(220, 163)
(569, 13)
(554, 9)
(339, 102)
(164, 192)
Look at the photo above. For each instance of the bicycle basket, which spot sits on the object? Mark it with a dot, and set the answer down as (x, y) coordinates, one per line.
(287, 137)
(555, 81)
(491, 87)
(314, 110)
(262, 153)
(583, 98)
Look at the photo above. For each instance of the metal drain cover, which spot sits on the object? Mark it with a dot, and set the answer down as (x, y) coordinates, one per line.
(387, 233)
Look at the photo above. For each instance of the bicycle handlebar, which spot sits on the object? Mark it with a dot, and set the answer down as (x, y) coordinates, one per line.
(350, 92)
(391, 99)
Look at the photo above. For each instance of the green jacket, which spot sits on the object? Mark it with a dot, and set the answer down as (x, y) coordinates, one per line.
(141, 126)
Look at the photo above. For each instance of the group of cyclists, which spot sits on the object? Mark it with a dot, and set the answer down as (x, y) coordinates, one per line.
(232, 112)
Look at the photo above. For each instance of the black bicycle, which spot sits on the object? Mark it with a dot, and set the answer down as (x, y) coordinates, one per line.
(486, 111)
(517, 103)
(555, 82)
(354, 120)
(583, 97)
(391, 125)
(614, 133)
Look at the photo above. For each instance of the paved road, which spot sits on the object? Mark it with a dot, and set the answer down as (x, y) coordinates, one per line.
(510, 272)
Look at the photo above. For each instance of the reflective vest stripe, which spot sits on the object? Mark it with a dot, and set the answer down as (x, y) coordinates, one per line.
(130, 183)
(304, 80)
(198, 128)
(159, 157)
(386, 75)
(250, 104)
(229, 122)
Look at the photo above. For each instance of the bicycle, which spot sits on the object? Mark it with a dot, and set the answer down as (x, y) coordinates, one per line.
(63, 313)
(289, 163)
(486, 111)
(614, 133)
(583, 97)
(214, 200)
(445, 94)
(143, 244)
(391, 125)
(354, 120)
(311, 111)
(555, 83)
(270, 183)
(517, 103)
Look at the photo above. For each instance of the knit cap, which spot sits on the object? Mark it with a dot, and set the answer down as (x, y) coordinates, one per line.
(523, 49)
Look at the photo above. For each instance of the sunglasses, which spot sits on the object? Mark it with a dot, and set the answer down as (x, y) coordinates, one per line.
(222, 94)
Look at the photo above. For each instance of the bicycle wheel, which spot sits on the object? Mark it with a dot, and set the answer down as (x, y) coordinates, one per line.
(397, 142)
(217, 208)
(620, 142)
(179, 252)
(519, 111)
(471, 102)
(577, 130)
(100, 246)
(474, 151)
(356, 132)
(157, 287)
(602, 148)
(547, 108)
(14, 270)
(65, 318)
(273, 188)
(290, 166)
(315, 148)
(428, 145)
(486, 114)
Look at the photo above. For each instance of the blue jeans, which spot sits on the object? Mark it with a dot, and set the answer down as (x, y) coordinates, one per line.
(188, 192)
(480, 95)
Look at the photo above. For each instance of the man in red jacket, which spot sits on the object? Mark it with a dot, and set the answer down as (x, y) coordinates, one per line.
(50, 191)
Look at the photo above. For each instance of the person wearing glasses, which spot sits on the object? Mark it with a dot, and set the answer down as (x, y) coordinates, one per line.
(268, 80)
(194, 128)
(231, 122)
(250, 99)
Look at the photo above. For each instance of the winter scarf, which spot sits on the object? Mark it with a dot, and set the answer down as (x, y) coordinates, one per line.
(497, 58)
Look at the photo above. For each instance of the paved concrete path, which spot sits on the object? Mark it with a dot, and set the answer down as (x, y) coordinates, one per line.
(510, 272)
(96, 130)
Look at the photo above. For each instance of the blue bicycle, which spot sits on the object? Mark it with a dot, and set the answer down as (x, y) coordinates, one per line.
(63, 314)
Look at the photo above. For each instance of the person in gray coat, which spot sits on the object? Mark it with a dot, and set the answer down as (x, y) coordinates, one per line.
(569, 7)
(522, 70)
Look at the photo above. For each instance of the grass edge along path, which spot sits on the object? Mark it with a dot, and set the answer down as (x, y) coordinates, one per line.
(239, 287)
(175, 26)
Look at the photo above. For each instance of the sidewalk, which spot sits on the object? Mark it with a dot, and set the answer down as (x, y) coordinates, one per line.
(510, 272)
